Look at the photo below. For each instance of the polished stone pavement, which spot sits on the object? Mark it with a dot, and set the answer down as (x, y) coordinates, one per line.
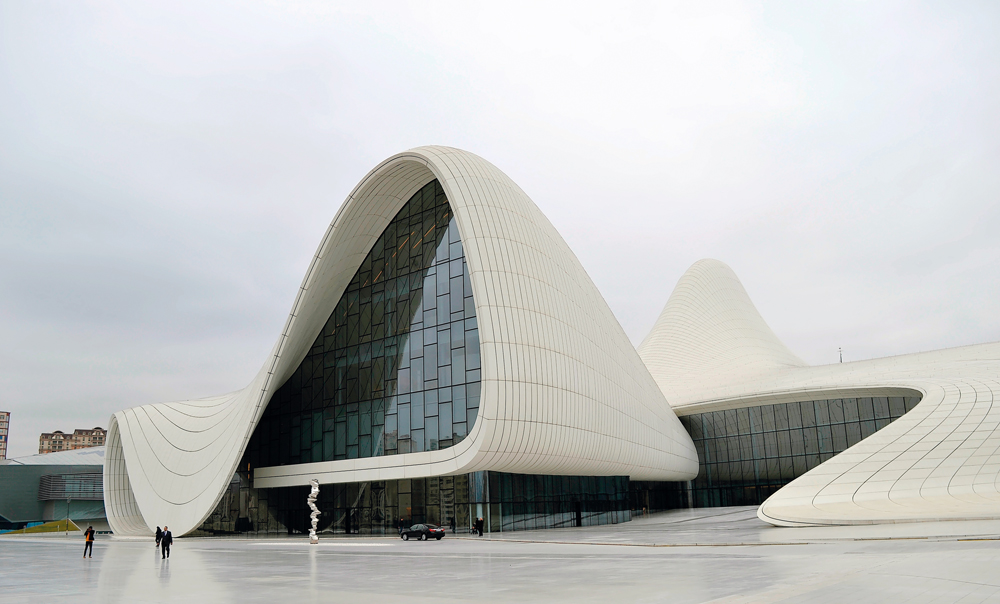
(708, 555)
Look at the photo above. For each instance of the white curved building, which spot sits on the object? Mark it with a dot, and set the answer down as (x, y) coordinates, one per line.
(447, 358)
(897, 439)
(444, 336)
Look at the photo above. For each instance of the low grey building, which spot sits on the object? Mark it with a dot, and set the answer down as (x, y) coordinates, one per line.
(41, 488)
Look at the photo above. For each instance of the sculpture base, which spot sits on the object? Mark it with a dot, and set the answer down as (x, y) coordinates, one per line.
(314, 540)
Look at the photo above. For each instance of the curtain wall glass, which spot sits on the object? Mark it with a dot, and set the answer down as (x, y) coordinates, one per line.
(747, 454)
(396, 368)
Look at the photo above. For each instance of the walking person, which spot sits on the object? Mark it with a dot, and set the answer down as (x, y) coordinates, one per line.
(159, 535)
(165, 540)
(402, 526)
(88, 548)
(479, 526)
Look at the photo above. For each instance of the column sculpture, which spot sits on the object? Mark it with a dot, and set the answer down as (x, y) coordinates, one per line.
(314, 515)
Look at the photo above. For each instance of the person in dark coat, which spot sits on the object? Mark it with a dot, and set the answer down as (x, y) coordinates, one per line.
(88, 535)
(165, 542)
(451, 522)
(479, 526)
(402, 526)
(159, 535)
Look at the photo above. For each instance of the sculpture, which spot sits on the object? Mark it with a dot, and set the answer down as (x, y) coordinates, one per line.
(314, 516)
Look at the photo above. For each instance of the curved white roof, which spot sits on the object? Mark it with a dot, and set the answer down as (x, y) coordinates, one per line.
(91, 456)
(710, 329)
(711, 350)
(563, 390)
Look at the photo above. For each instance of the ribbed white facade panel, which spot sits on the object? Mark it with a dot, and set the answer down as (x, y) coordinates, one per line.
(563, 390)
(710, 350)
(710, 332)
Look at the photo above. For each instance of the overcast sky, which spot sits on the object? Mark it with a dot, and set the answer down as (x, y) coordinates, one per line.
(167, 170)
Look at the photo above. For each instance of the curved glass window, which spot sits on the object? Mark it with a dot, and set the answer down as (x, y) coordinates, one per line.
(745, 455)
(506, 502)
(396, 368)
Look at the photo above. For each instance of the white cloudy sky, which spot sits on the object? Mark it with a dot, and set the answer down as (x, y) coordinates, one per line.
(166, 170)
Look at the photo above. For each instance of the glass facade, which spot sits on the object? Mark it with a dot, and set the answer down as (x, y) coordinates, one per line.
(396, 368)
(506, 502)
(524, 502)
(747, 454)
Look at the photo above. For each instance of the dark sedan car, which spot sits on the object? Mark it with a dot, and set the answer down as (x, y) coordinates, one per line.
(422, 532)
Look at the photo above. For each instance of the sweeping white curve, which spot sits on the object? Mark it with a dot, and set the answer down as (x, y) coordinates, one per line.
(939, 461)
(563, 390)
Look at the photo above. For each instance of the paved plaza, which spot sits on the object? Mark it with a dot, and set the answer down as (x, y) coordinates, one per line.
(706, 555)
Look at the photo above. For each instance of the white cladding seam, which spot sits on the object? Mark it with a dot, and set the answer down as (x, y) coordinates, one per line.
(710, 350)
(563, 390)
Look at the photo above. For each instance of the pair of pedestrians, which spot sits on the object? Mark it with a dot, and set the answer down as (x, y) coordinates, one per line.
(163, 540)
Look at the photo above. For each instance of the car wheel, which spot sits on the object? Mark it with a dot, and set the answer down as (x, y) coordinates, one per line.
(439, 537)
(423, 537)
(406, 537)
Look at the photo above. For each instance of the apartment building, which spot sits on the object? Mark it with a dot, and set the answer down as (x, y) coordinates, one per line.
(4, 428)
(51, 442)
